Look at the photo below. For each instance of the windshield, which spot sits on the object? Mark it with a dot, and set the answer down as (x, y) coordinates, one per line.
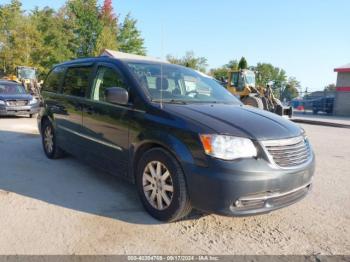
(171, 83)
(27, 73)
(11, 89)
(250, 78)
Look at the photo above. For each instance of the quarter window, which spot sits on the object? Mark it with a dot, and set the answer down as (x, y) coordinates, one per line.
(76, 82)
(53, 80)
(106, 78)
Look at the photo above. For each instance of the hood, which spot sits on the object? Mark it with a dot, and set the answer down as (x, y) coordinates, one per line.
(15, 97)
(237, 120)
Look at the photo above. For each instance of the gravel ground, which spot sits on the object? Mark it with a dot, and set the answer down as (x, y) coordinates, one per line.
(66, 207)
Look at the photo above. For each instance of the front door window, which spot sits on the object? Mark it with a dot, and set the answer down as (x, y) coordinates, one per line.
(106, 78)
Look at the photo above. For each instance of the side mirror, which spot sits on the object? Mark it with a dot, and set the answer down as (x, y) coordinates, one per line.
(117, 95)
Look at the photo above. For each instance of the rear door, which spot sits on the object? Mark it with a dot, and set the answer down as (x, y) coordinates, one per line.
(69, 114)
(107, 125)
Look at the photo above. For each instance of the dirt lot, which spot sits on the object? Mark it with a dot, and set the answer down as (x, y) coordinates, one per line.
(66, 207)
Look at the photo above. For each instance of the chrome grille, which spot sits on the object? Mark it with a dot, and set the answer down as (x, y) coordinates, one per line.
(288, 152)
(17, 102)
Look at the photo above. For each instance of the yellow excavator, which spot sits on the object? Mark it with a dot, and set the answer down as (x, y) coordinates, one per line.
(242, 84)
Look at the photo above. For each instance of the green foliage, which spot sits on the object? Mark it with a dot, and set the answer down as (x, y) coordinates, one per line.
(129, 37)
(232, 64)
(11, 27)
(44, 37)
(190, 60)
(108, 36)
(267, 74)
(219, 73)
(56, 38)
(242, 63)
(87, 25)
(291, 89)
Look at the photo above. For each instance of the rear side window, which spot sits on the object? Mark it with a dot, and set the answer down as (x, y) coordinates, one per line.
(53, 80)
(76, 82)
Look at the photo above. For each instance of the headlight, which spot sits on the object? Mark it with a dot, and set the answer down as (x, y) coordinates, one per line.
(33, 101)
(2, 102)
(228, 147)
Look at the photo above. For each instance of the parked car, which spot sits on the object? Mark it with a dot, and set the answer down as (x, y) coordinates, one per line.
(14, 100)
(181, 137)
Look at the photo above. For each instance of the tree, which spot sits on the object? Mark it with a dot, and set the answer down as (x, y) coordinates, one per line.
(330, 88)
(44, 37)
(222, 72)
(129, 37)
(291, 89)
(108, 36)
(11, 29)
(107, 14)
(219, 73)
(232, 64)
(267, 73)
(190, 60)
(242, 63)
(56, 38)
(87, 25)
(174, 60)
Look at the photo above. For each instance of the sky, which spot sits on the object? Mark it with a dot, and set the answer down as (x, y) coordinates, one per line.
(308, 39)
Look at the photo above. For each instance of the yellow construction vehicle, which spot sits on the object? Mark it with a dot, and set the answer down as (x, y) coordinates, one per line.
(28, 77)
(242, 84)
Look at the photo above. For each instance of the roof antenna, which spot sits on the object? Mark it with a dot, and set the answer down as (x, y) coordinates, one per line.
(161, 67)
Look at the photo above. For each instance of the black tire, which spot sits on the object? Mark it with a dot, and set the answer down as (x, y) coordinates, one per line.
(55, 152)
(180, 205)
(253, 101)
(30, 115)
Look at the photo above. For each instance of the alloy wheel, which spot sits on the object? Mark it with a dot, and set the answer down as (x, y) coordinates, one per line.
(157, 185)
(48, 139)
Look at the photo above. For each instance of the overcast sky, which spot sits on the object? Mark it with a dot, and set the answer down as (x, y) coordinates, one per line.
(306, 38)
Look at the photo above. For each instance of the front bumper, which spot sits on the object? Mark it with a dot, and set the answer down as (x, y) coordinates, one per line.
(246, 186)
(19, 110)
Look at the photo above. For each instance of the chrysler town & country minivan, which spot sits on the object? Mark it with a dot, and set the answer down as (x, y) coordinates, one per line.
(182, 138)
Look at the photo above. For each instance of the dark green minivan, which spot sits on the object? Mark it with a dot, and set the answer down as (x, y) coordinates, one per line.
(183, 139)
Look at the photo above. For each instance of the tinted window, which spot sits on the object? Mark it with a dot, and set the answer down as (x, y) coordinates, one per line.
(53, 80)
(76, 81)
(106, 77)
(11, 89)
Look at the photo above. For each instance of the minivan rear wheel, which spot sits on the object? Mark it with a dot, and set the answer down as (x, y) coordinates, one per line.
(50, 146)
(162, 187)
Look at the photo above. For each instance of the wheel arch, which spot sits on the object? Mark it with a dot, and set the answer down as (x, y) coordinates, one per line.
(168, 143)
(43, 119)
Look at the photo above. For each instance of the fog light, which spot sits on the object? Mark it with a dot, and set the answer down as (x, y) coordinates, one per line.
(238, 203)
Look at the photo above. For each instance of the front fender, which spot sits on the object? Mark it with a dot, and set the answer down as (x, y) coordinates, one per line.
(170, 142)
(45, 113)
(185, 156)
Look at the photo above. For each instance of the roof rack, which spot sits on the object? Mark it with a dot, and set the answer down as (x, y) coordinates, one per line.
(122, 55)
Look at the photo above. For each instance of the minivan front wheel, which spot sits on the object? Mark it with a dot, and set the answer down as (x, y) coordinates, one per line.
(162, 187)
(50, 146)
